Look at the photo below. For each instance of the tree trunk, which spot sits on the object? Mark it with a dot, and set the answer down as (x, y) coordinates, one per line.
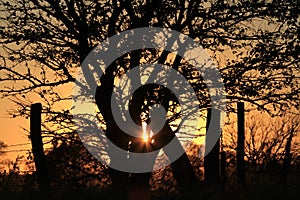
(182, 167)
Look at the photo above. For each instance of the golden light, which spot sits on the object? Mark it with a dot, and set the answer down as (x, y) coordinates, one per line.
(145, 139)
(145, 134)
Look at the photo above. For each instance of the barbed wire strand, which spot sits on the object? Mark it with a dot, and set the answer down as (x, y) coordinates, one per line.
(16, 145)
(16, 150)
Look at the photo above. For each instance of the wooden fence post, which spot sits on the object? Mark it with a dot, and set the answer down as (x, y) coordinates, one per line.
(37, 147)
(211, 160)
(241, 143)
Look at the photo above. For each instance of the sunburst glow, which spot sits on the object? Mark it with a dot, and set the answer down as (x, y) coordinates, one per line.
(145, 134)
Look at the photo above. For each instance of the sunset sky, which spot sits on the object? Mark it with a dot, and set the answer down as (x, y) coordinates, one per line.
(10, 128)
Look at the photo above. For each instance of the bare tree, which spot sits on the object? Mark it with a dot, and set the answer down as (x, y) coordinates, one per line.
(269, 142)
(44, 42)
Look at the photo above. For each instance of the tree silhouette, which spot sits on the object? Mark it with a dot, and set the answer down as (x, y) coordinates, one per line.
(270, 144)
(44, 42)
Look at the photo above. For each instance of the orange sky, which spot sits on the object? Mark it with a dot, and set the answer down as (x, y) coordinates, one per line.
(11, 132)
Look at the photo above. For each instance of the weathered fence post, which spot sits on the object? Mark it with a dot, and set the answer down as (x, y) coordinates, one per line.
(211, 160)
(241, 143)
(37, 147)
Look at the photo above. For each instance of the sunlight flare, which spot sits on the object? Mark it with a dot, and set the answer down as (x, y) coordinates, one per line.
(145, 134)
